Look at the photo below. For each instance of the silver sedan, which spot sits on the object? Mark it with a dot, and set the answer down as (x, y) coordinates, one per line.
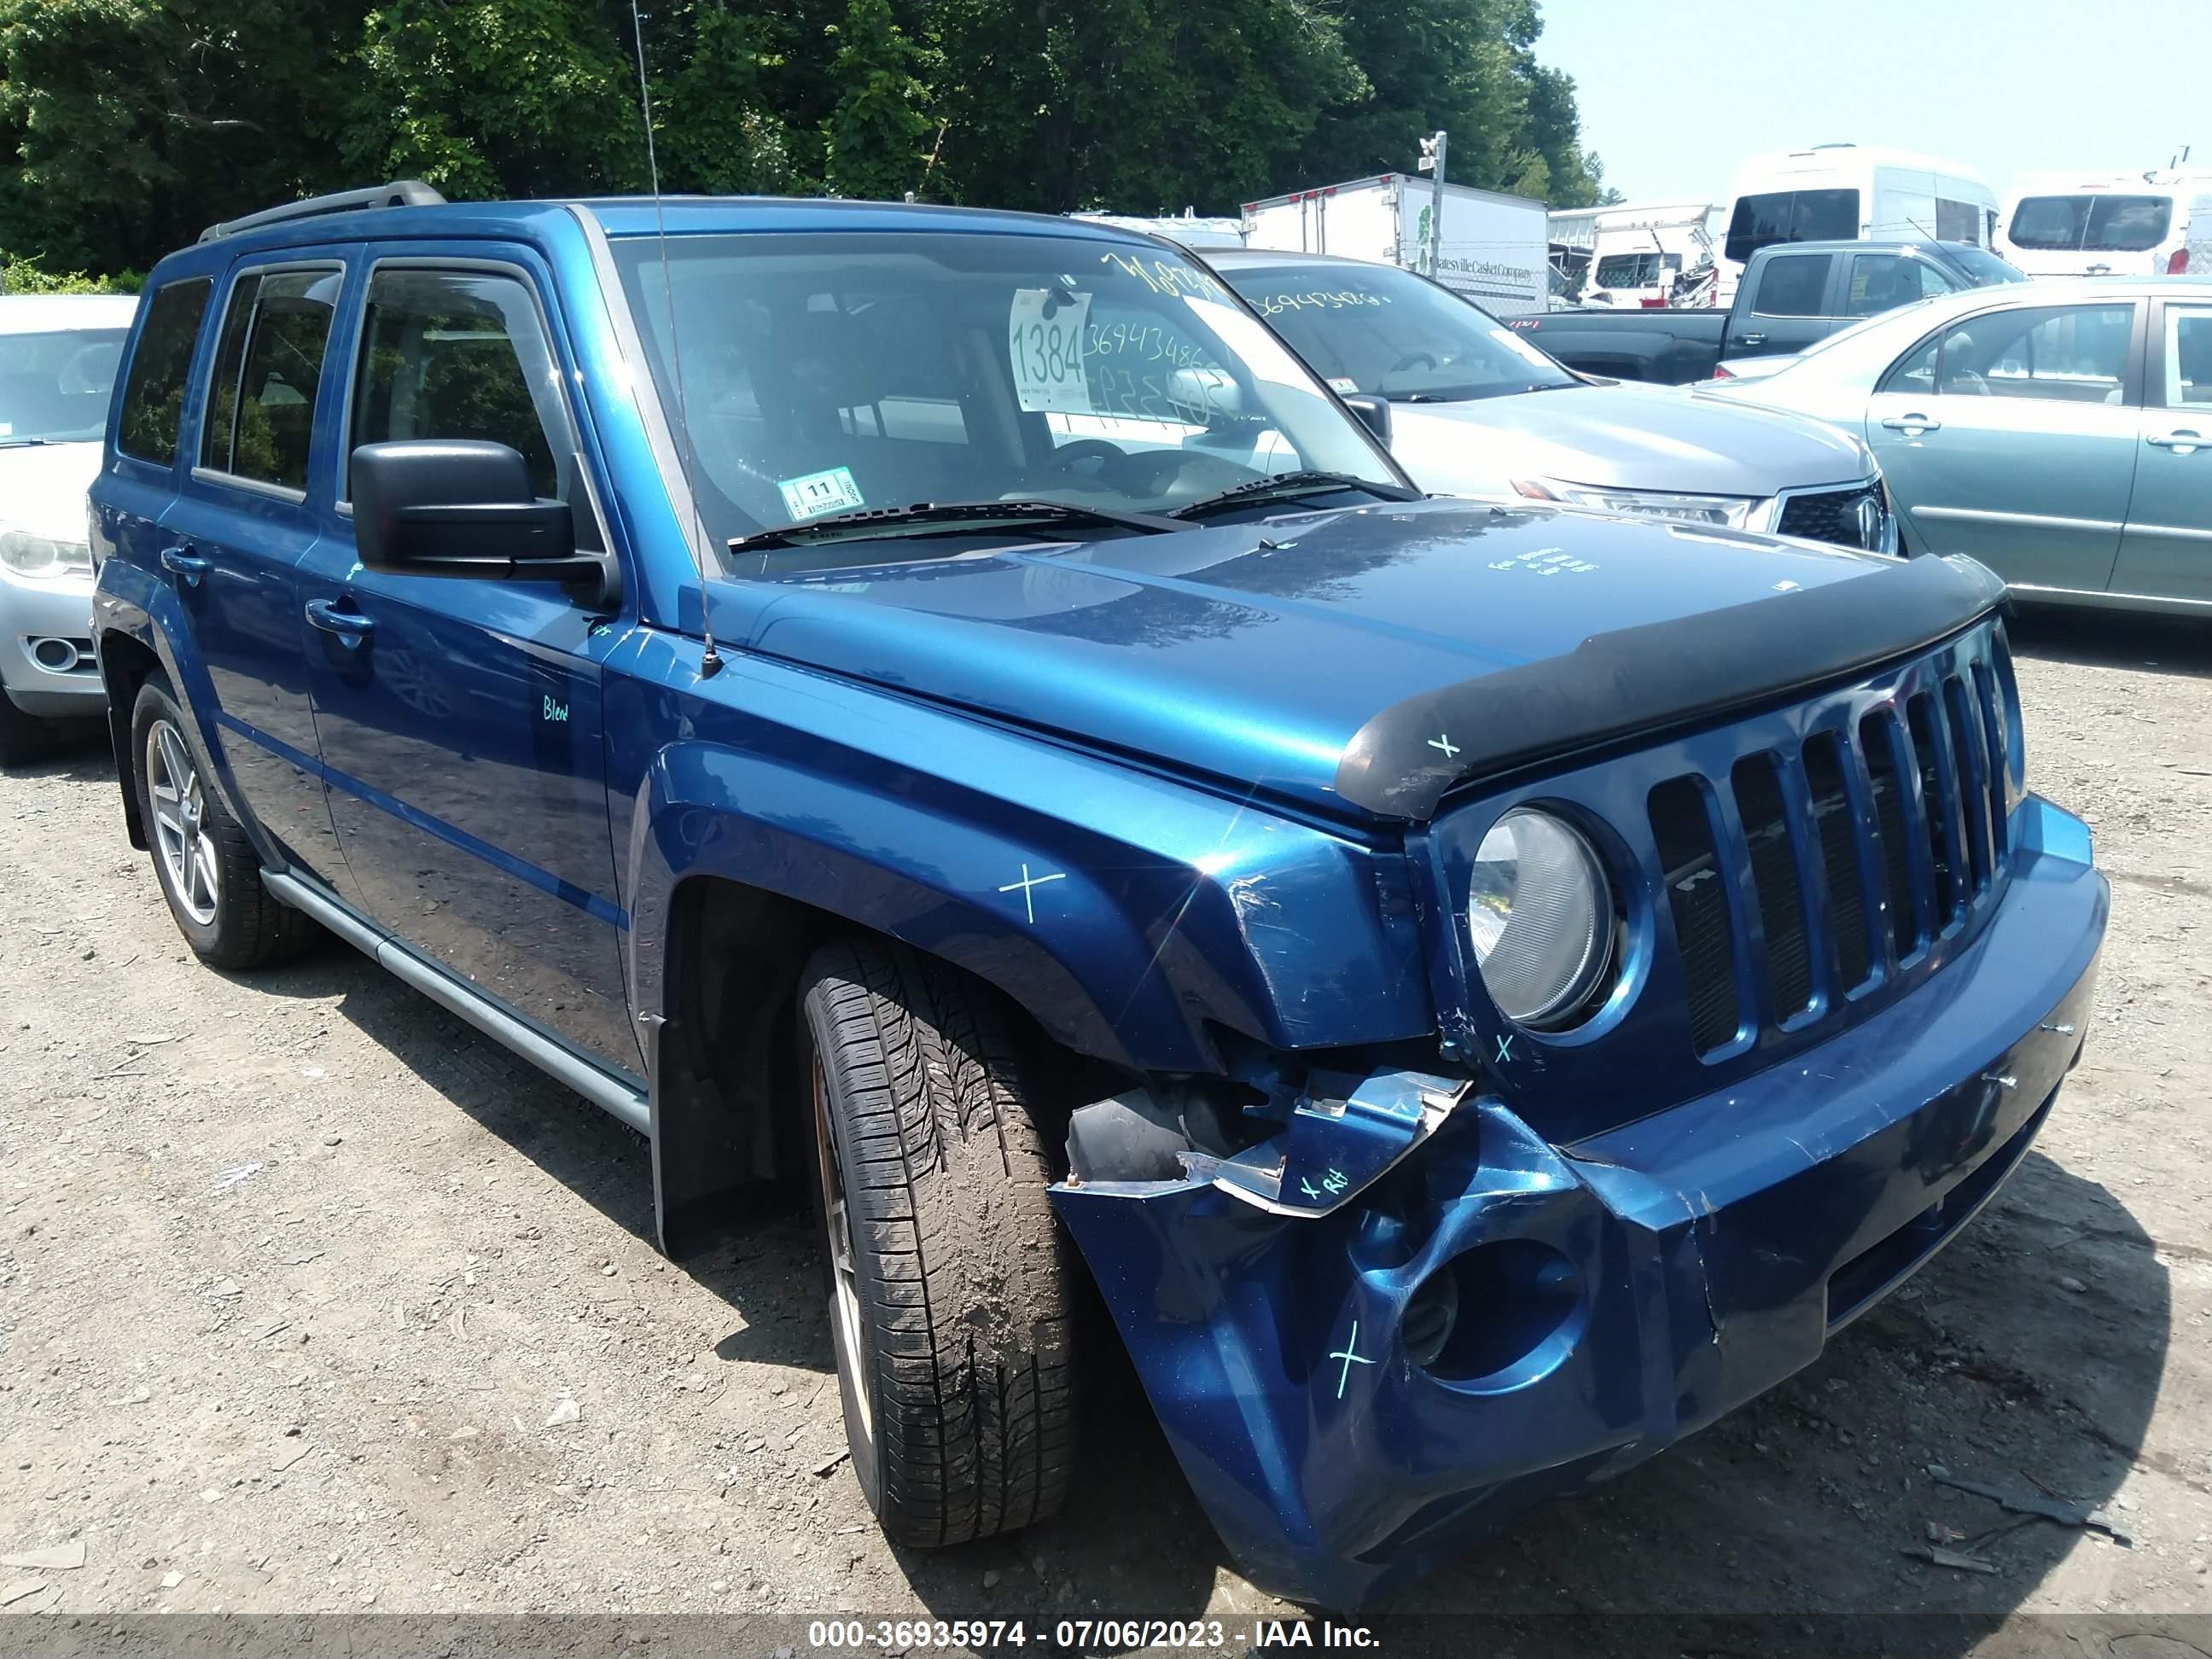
(2060, 432)
(1475, 410)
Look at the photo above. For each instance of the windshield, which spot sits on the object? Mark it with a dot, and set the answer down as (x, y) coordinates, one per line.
(1378, 329)
(2091, 223)
(831, 373)
(1980, 266)
(54, 387)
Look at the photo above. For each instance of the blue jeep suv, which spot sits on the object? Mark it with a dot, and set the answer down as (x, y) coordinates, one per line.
(941, 707)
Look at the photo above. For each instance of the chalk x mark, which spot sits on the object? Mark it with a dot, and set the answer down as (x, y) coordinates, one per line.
(1443, 740)
(1028, 886)
(1349, 1353)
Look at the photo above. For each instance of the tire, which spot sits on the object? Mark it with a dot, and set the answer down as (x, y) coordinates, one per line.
(209, 871)
(949, 1288)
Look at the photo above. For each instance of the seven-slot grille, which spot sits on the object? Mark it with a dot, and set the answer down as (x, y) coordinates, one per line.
(1832, 515)
(1843, 856)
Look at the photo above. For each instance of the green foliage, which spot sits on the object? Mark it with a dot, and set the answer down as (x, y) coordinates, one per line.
(126, 125)
(871, 145)
(30, 277)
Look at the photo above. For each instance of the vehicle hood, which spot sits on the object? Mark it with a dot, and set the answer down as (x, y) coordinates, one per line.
(42, 488)
(1626, 435)
(1256, 653)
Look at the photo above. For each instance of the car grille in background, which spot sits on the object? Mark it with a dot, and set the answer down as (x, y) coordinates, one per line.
(1856, 849)
(1831, 515)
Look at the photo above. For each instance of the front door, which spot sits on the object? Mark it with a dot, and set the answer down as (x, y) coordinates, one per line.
(460, 717)
(2167, 549)
(232, 543)
(2010, 437)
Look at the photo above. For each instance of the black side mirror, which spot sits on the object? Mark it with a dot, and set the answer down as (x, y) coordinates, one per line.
(462, 507)
(1374, 414)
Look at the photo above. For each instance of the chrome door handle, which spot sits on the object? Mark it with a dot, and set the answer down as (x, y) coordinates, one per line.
(182, 561)
(2183, 442)
(1912, 423)
(1751, 339)
(349, 625)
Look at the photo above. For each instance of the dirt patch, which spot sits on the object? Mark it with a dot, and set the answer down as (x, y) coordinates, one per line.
(311, 1299)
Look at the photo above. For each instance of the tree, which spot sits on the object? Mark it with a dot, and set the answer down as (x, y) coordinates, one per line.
(136, 122)
(126, 125)
(873, 140)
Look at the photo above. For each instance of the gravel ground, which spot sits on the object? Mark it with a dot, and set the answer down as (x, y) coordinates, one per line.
(312, 1300)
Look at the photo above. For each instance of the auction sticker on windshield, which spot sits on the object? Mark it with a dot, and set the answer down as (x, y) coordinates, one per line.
(815, 493)
(1046, 347)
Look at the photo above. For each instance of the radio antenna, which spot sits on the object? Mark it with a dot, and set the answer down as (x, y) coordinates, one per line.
(710, 660)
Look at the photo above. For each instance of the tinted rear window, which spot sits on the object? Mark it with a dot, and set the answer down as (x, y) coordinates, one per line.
(1792, 216)
(154, 396)
(2091, 223)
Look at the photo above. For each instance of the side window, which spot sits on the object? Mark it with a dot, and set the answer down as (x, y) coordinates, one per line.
(1957, 222)
(1883, 281)
(1880, 283)
(154, 396)
(457, 354)
(1915, 370)
(2188, 355)
(260, 419)
(1793, 285)
(2057, 354)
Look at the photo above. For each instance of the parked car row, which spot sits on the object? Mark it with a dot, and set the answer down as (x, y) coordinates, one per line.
(949, 710)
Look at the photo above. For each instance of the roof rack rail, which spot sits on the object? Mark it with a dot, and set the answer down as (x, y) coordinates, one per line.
(401, 193)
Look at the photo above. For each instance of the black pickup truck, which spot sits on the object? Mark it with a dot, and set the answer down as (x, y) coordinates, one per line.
(1792, 295)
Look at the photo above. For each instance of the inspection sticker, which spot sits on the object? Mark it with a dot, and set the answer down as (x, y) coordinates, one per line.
(816, 493)
(1045, 345)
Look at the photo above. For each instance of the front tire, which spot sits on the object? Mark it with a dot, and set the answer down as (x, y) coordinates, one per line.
(209, 871)
(949, 1283)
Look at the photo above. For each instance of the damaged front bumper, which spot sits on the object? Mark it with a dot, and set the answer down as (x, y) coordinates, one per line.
(1357, 1381)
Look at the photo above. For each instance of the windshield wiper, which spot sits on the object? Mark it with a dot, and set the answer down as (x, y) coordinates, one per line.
(873, 522)
(24, 443)
(1285, 484)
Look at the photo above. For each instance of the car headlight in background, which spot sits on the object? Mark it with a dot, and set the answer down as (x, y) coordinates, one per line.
(36, 556)
(1540, 911)
(1727, 511)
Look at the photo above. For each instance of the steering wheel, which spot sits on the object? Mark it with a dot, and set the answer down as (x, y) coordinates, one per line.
(1090, 449)
(1412, 360)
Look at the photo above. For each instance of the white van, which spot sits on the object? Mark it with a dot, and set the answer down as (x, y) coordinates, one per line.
(1639, 252)
(2132, 224)
(1848, 193)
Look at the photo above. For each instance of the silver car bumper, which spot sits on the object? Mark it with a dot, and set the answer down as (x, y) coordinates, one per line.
(47, 663)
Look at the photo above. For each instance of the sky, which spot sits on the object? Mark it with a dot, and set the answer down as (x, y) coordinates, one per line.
(1673, 95)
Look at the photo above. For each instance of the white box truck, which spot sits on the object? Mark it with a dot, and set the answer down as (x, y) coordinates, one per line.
(1493, 248)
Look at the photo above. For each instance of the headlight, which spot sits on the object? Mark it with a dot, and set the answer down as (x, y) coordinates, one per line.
(35, 555)
(1733, 512)
(1540, 912)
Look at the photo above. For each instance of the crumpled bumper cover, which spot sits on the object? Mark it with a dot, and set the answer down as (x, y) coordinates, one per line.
(1611, 1295)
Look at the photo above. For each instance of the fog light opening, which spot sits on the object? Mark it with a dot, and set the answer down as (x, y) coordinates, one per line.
(56, 656)
(1497, 1315)
(1431, 1315)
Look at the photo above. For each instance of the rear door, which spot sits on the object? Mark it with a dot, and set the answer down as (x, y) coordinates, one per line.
(232, 543)
(460, 718)
(1785, 306)
(2167, 549)
(2011, 436)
